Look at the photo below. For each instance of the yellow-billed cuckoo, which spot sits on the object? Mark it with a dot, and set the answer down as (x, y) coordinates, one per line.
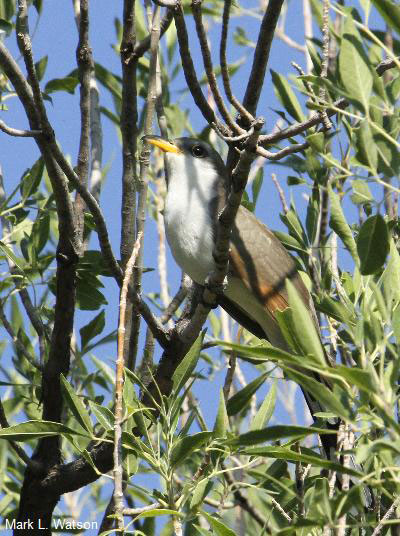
(197, 189)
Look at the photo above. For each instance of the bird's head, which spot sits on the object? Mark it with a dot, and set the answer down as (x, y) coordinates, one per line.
(192, 160)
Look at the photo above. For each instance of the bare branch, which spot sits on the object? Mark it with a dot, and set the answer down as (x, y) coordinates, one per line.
(144, 45)
(119, 384)
(261, 55)
(295, 148)
(387, 64)
(35, 466)
(212, 80)
(387, 516)
(224, 65)
(281, 193)
(166, 3)
(85, 66)
(298, 128)
(19, 133)
(190, 73)
(18, 343)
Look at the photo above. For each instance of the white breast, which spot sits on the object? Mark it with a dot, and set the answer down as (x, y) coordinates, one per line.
(187, 221)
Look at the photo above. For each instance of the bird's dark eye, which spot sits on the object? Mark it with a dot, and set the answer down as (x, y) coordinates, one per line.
(198, 151)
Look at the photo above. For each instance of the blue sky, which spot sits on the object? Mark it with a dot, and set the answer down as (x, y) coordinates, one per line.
(56, 36)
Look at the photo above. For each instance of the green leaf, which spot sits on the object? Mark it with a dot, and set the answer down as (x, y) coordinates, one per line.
(284, 453)
(289, 241)
(355, 376)
(40, 67)
(221, 424)
(367, 152)
(390, 12)
(188, 364)
(25, 431)
(242, 398)
(361, 193)
(320, 392)
(201, 491)
(31, 179)
(104, 416)
(76, 405)
(353, 65)
(339, 224)
(307, 337)
(317, 141)
(67, 84)
(88, 297)
(286, 96)
(184, 447)
(219, 528)
(266, 409)
(373, 244)
(158, 512)
(275, 433)
(6, 26)
(8, 252)
(93, 328)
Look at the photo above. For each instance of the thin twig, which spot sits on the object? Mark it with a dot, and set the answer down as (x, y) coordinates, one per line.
(190, 72)
(261, 55)
(166, 3)
(212, 80)
(17, 341)
(295, 148)
(224, 66)
(35, 466)
(177, 300)
(325, 60)
(298, 128)
(389, 513)
(119, 383)
(281, 193)
(85, 66)
(19, 133)
(386, 64)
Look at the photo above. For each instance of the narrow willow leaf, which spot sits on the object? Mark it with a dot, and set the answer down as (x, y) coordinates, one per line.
(93, 328)
(25, 431)
(242, 398)
(184, 447)
(287, 96)
(219, 528)
(339, 224)
(221, 424)
(373, 244)
(158, 512)
(104, 415)
(307, 336)
(76, 405)
(320, 392)
(274, 433)
(390, 12)
(284, 453)
(353, 65)
(266, 409)
(367, 152)
(188, 364)
(201, 490)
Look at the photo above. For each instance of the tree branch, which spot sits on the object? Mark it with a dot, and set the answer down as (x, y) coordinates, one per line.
(261, 55)
(190, 73)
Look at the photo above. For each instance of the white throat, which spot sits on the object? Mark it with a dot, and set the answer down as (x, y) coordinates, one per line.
(191, 188)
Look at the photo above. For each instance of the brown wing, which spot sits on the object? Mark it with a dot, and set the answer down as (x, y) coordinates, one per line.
(260, 260)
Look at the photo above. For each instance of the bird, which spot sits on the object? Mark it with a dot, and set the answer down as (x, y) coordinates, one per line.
(259, 264)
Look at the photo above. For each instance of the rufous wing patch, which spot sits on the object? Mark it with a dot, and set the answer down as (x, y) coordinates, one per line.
(271, 297)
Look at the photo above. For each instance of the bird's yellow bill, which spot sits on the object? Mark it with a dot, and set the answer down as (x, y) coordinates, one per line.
(164, 145)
